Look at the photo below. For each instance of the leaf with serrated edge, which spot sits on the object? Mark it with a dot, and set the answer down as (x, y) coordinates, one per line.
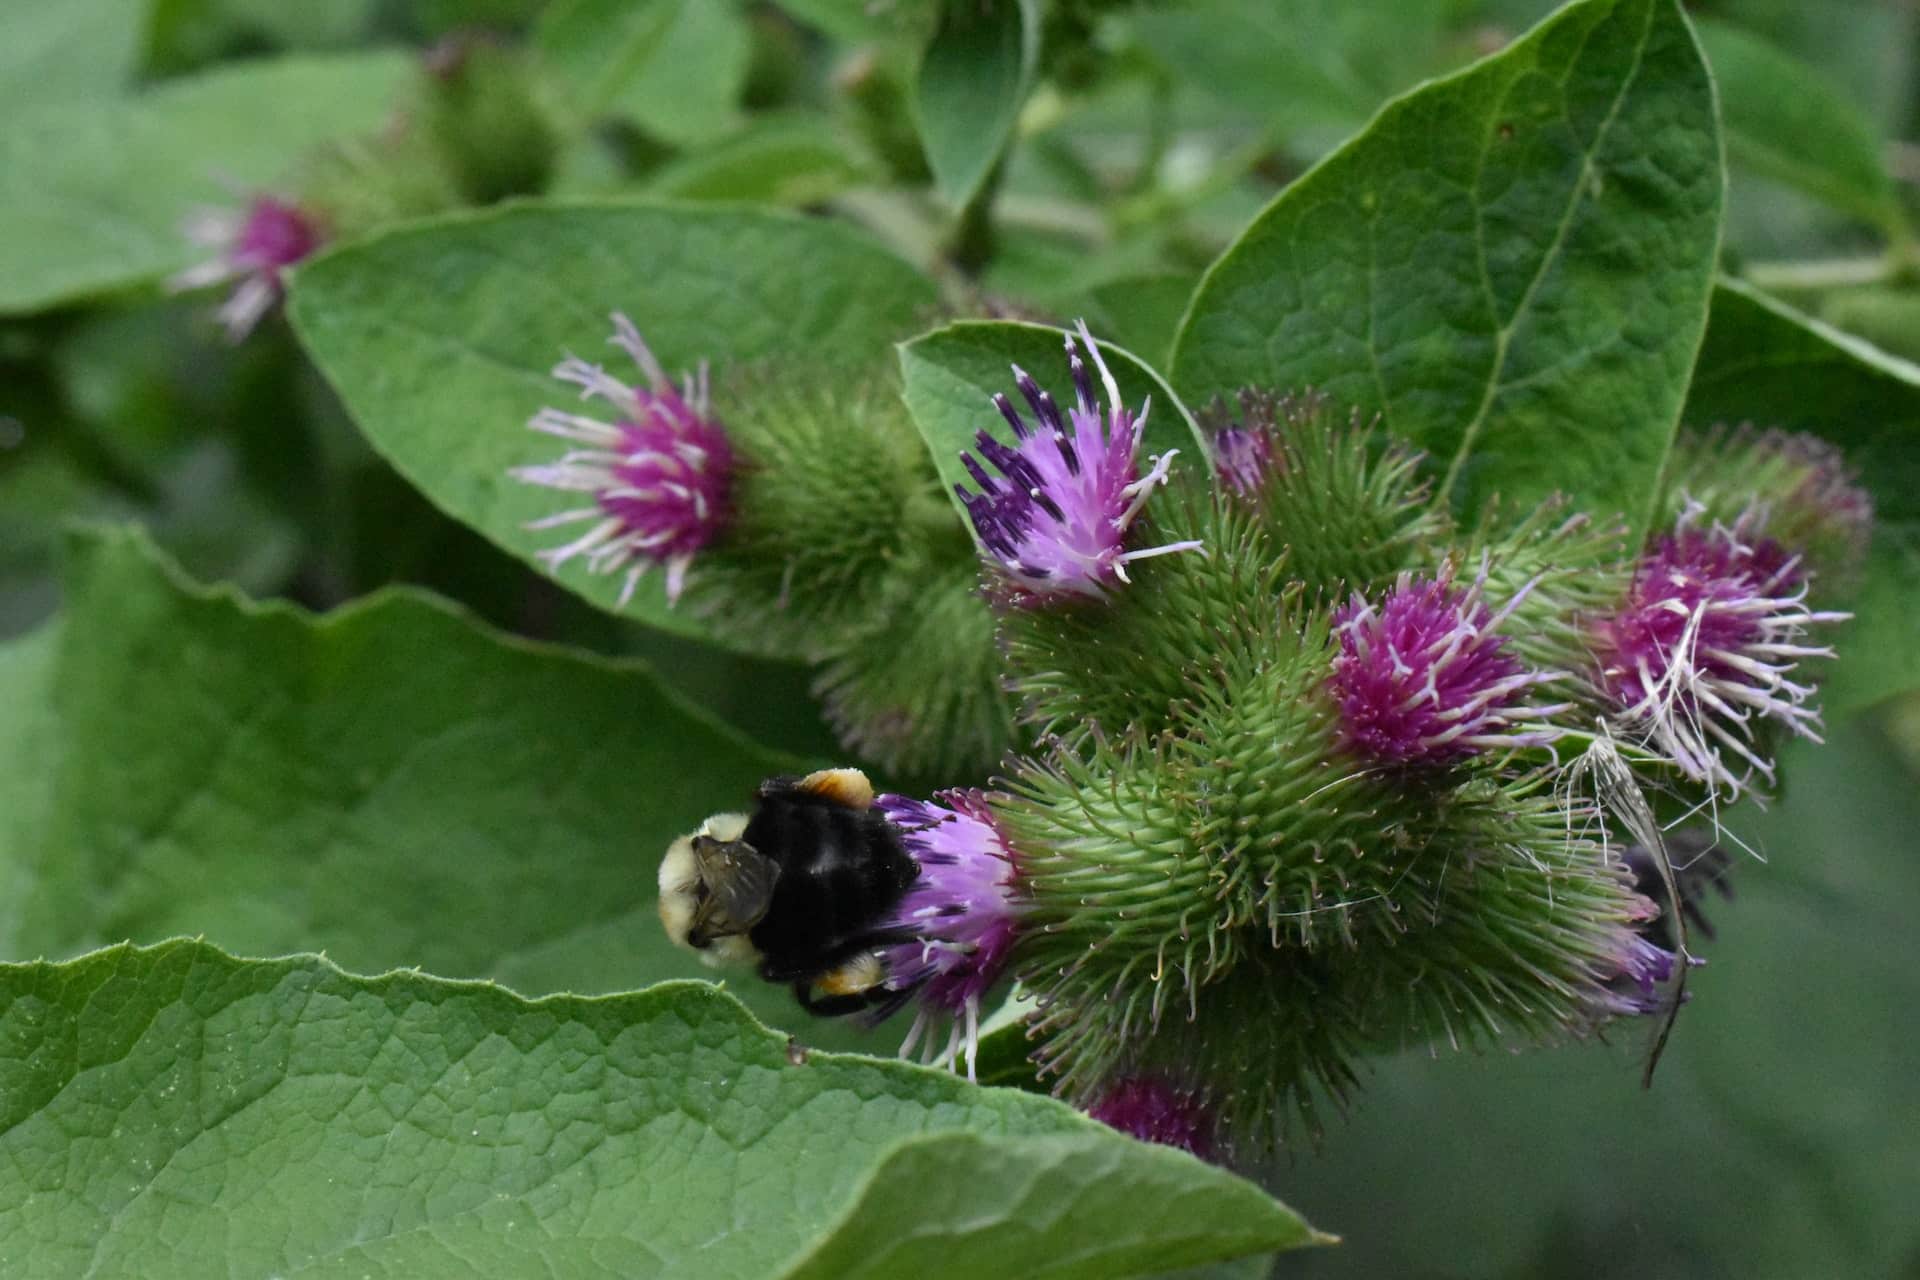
(952, 374)
(390, 782)
(1765, 363)
(1511, 264)
(441, 337)
(92, 197)
(176, 1111)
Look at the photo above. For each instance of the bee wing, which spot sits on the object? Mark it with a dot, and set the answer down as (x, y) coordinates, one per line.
(739, 880)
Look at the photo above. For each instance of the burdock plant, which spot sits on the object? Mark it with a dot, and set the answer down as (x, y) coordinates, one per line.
(1310, 773)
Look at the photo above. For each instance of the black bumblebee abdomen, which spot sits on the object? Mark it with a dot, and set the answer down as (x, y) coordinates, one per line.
(841, 871)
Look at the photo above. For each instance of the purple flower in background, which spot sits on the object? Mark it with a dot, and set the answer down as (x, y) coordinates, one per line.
(961, 915)
(254, 246)
(1421, 677)
(1705, 646)
(1245, 453)
(1153, 1110)
(1055, 521)
(660, 475)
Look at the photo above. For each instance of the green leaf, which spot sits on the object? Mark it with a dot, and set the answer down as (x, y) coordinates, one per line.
(1766, 363)
(390, 782)
(74, 51)
(952, 375)
(1297, 64)
(973, 81)
(1511, 265)
(92, 197)
(675, 67)
(29, 747)
(176, 1111)
(1072, 1205)
(794, 160)
(184, 35)
(440, 336)
(1142, 312)
(1786, 121)
(855, 21)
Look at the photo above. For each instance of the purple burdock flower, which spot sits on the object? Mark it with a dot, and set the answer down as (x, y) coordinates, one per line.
(1245, 453)
(1154, 1110)
(1704, 647)
(1635, 968)
(660, 475)
(960, 914)
(1423, 678)
(1055, 521)
(254, 246)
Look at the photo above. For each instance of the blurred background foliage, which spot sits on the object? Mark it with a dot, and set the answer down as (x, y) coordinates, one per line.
(1780, 1138)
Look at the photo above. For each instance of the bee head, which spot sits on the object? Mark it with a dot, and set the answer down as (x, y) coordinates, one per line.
(714, 887)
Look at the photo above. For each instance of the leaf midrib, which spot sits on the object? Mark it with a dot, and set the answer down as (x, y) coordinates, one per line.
(1503, 336)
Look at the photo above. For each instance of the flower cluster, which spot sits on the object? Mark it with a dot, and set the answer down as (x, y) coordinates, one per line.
(1309, 794)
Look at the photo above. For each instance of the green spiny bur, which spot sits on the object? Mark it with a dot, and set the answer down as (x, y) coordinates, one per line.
(1349, 508)
(835, 512)
(920, 692)
(1125, 663)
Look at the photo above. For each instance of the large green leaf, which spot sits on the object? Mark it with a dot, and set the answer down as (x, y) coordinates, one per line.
(92, 197)
(952, 374)
(1764, 362)
(1511, 265)
(972, 84)
(1784, 120)
(676, 67)
(440, 336)
(174, 1111)
(390, 782)
(1073, 1205)
(71, 52)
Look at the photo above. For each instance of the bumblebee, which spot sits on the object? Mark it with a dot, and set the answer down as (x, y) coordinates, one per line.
(801, 889)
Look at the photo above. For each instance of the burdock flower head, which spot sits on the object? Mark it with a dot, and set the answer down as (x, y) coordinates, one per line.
(1245, 452)
(660, 474)
(253, 245)
(1635, 969)
(960, 917)
(1422, 677)
(1703, 650)
(1810, 492)
(1152, 1109)
(1055, 522)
